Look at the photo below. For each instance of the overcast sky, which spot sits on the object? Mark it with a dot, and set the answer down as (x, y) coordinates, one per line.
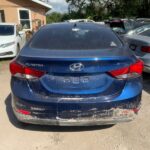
(59, 5)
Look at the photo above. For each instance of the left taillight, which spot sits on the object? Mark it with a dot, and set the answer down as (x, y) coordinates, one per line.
(19, 70)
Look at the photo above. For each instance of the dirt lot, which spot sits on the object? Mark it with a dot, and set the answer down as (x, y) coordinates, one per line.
(128, 136)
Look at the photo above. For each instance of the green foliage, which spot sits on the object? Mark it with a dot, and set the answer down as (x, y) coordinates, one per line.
(102, 9)
(54, 17)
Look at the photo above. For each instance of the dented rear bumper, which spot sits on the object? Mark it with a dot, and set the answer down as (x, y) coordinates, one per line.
(122, 116)
(77, 114)
(73, 122)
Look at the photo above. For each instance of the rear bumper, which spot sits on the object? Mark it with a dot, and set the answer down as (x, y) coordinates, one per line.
(84, 114)
(76, 122)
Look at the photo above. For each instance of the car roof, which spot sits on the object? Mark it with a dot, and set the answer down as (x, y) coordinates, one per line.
(143, 26)
(78, 20)
(73, 25)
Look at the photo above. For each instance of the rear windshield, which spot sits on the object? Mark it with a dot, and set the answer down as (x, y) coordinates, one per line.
(75, 38)
(6, 30)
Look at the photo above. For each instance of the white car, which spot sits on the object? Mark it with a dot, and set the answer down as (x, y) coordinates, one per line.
(79, 20)
(11, 41)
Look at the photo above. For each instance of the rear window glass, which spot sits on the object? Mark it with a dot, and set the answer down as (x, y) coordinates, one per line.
(75, 38)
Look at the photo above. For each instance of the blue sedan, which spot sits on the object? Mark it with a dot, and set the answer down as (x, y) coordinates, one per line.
(76, 74)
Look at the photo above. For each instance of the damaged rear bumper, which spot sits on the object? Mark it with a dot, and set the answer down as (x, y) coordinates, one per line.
(125, 116)
(94, 114)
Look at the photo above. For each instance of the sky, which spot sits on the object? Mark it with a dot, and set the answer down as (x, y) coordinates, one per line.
(59, 5)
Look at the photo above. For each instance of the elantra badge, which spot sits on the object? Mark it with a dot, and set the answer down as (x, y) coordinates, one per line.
(76, 67)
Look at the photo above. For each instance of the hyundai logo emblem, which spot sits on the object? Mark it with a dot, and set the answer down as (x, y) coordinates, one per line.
(76, 67)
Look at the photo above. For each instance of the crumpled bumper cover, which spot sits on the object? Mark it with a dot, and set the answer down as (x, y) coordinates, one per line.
(110, 113)
(120, 115)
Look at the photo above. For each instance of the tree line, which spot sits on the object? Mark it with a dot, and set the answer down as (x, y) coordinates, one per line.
(103, 9)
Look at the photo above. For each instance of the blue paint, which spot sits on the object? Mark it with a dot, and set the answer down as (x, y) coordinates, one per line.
(61, 91)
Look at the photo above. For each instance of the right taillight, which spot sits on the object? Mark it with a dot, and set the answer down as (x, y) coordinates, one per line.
(145, 49)
(137, 67)
(19, 70)
(134, 70)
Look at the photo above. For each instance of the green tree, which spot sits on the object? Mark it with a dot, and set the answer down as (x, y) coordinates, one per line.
(54, 17)
(95, 9)
(144, 9)
(101, 9)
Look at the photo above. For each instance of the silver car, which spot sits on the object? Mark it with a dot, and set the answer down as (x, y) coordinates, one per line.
(139, 42)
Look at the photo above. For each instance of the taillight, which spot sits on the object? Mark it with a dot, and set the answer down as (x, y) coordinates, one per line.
(137, 67)
(134, 70)
(19, 70)
(145, 49)
(22, 111)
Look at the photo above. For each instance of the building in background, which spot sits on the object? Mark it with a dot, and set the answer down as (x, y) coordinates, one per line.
(29, 14)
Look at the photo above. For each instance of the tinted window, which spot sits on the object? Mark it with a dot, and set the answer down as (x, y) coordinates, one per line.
(6, 30)
(81, 37)
(117, 24)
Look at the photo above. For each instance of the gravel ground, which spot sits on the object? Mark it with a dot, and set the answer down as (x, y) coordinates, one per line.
(127, 136)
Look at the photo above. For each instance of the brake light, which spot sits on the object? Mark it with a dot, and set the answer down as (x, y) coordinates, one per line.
(134, 70)
(145, 49)
(22, 111)
(24, 72)
(137, 67)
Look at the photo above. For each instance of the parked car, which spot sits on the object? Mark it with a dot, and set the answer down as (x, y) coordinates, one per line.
(139, 42)
(79, 74)
(120, 26)
(11, 41)
(80, 20)
(142, 30)
(143, 21)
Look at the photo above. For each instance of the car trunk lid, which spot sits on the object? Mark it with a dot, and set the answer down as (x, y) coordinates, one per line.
(78, 75)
